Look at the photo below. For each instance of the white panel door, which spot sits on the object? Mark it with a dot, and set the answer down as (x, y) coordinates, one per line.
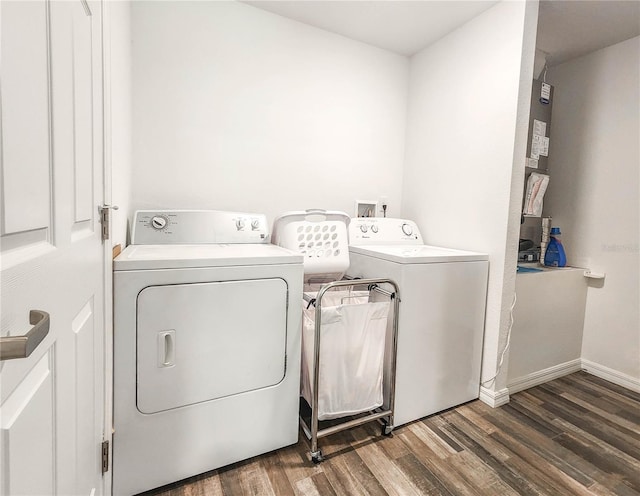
(52, 257)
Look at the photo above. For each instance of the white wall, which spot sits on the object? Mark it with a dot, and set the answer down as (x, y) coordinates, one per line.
(118, 112)
(594, 194)
(235, 108)
(469, 96)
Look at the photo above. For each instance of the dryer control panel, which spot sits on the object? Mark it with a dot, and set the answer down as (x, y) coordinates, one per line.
(159, 227)
(383, 231)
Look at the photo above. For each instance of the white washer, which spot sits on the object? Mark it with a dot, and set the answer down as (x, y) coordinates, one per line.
(206, 346)
(441, 316)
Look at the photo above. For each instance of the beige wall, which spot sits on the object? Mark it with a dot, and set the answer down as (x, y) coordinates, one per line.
(594, 196)
(235, 108)
(466, 136)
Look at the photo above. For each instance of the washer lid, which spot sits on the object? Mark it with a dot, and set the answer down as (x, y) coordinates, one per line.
(140, 257)
(413, 254)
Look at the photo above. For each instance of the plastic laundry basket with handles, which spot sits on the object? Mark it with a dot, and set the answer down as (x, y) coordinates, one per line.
(321, 236)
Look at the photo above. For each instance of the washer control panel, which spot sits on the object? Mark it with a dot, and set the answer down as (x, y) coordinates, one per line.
(158, 227)
(383, 231)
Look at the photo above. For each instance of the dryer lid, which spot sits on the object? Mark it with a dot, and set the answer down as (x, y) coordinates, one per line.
(144, 257)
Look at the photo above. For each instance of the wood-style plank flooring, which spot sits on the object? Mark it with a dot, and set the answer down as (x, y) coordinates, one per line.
(575, 435)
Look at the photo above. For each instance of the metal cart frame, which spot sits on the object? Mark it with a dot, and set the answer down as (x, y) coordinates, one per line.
(312, 432)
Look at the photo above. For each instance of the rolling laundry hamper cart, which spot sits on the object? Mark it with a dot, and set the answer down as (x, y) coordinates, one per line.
(348, 366)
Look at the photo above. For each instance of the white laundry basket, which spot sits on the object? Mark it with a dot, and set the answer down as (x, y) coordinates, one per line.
(320, 236)
(352, 348)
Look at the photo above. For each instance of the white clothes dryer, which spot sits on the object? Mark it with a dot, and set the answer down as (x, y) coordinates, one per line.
(441, 319)
(206, 346)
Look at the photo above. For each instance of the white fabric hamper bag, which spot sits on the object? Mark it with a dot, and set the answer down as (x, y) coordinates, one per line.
(352, 345)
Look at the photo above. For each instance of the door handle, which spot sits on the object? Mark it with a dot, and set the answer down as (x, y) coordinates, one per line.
(167, 348)
(22, 346)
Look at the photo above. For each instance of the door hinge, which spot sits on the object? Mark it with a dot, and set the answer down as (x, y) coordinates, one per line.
(105, 220)
(105, 456)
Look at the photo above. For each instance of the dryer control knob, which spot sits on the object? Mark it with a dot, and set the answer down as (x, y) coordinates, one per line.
(240, 224)
(255, 224)
(364, 228)
(407, 229)
(374, 228)
(158, 222)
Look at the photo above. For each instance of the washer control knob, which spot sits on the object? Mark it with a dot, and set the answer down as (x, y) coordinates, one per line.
(374, 228)
(240, 224)
(255, 224)
(364, 228)
(407, 229)
(158, 222)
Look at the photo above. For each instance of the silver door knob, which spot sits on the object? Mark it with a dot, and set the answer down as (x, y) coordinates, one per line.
(22, 346)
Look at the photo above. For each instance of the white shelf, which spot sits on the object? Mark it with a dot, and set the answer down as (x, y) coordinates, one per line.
(594, 275)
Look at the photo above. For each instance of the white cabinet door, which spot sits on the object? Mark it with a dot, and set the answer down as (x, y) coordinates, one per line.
(52, 256)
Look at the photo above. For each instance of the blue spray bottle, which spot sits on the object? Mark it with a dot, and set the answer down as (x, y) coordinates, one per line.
(555, 256)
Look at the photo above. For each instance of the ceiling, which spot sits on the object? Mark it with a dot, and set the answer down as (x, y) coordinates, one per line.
(569, 29)
(566, 28)
(401, 26)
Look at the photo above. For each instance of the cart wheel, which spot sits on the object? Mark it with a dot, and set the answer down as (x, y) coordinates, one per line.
(387, 430)
(316, 457)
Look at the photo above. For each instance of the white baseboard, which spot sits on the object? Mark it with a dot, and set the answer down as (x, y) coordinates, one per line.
(494, 398)
(498, 398)
(611, 375)
(545, 375)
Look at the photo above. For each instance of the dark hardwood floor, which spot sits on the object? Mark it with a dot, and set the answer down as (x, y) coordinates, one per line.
(575, 435)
